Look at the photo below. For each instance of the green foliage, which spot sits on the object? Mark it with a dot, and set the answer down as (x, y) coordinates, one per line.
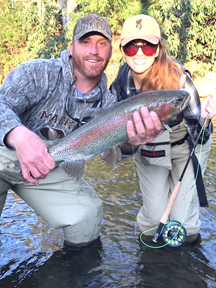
(189, 26)
(54, 37)
(13, 36)
(116, 11)
(29, 30)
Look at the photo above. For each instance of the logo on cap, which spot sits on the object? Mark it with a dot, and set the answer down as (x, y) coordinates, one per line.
(139, 24)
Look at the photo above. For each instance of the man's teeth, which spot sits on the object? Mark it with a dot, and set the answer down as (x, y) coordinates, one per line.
(93, 61)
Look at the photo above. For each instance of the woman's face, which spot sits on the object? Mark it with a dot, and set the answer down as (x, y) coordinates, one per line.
(140, 55)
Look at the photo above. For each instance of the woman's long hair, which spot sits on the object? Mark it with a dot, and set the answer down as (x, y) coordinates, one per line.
(165, 73)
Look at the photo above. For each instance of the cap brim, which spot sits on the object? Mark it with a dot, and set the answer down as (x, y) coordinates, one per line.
(83, 33)
(149, 38)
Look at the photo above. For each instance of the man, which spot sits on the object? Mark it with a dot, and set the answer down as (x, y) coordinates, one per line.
(42, 100)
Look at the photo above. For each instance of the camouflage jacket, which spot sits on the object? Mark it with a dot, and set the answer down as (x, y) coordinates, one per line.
(41, 95)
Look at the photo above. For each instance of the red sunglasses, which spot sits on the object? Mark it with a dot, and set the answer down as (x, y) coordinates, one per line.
(148, 49)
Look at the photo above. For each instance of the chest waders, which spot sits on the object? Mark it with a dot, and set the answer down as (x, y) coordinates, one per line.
(173, 232)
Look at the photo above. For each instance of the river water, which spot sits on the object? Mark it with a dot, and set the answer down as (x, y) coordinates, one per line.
(32, 254)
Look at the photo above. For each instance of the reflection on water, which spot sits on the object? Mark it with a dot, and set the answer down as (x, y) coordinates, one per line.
(33, 255)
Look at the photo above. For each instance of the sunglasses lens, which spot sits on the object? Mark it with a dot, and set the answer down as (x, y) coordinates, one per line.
(130, 49)
(149, 50)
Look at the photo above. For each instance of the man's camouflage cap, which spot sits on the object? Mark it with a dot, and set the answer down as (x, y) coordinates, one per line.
(92, 23)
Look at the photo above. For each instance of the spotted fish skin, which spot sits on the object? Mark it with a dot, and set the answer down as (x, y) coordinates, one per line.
(108, 129)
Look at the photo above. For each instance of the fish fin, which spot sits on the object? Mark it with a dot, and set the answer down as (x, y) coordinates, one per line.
(73, 169)
(166, 126)
(118, 153)
(112, 156)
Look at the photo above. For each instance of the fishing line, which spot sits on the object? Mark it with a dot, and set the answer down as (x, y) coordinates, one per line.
(201, 144)
(177, 228)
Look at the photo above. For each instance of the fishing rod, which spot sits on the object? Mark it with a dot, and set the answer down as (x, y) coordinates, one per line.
(174, 233)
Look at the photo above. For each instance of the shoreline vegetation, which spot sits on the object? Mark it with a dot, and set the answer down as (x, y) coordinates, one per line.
(37, 29)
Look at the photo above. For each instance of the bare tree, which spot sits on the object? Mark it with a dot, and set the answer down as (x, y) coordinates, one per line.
(67, 6)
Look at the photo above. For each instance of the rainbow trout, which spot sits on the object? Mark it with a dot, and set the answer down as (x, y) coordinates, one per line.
(108, 129)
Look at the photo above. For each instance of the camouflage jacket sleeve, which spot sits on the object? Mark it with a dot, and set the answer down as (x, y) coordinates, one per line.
(23, 88)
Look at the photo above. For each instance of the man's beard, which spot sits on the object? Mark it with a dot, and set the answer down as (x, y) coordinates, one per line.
(91, 73)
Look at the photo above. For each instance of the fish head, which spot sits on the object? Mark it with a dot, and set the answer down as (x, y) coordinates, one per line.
(173, 104)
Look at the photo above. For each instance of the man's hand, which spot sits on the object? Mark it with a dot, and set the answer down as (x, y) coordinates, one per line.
(32, 153)
(208, 106)
(145, 128)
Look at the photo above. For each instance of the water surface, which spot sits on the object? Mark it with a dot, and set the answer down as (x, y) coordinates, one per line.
(32, 254)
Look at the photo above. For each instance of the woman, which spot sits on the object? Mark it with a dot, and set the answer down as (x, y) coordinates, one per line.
(160, 163)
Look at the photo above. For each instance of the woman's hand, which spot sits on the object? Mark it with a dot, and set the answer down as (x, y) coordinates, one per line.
(144, 127)
(208, 107)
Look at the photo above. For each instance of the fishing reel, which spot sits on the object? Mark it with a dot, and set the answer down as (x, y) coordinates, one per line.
(174, 234)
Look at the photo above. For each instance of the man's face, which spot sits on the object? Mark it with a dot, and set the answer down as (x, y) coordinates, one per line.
(91, 55)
